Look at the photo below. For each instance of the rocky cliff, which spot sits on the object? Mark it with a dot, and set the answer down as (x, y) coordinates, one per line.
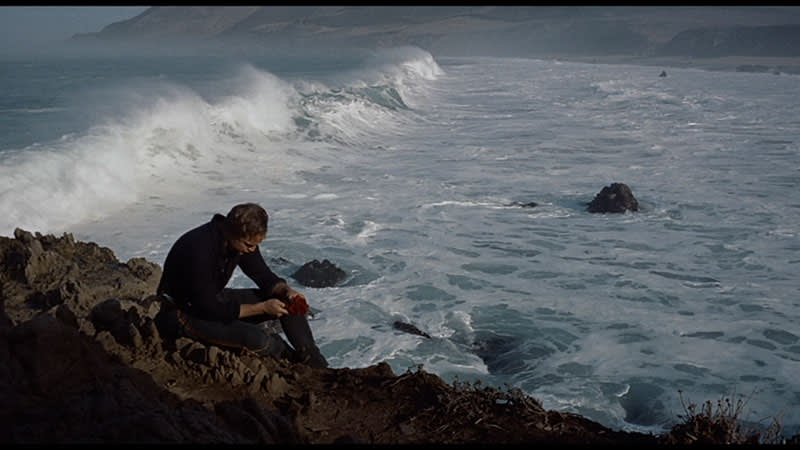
(478, 30)
(776, 40)
(82, 362)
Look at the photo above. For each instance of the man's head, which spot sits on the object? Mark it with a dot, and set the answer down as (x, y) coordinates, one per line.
(246, 227)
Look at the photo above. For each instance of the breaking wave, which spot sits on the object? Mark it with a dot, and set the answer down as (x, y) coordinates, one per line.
(166, 137)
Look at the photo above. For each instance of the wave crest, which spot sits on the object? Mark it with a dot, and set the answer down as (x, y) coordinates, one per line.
(155, 136)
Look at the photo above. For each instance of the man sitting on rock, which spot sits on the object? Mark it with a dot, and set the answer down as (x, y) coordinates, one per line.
(196, 303)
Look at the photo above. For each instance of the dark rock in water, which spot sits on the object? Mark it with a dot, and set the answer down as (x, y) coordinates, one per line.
(408, 328)
(499, 352)
(616, 198)
(525, 205)
(319, 274)
(752, 68)
(663, 73)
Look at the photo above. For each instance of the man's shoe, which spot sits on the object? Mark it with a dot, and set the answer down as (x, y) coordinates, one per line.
(312, 358)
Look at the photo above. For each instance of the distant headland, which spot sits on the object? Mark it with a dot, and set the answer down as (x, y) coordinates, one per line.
(743, 38)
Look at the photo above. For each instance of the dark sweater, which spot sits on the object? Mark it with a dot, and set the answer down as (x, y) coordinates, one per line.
(198, 267)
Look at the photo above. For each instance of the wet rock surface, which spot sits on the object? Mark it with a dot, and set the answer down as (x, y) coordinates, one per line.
(81, 361)
(524, 204)
(318, 274)
(409, 328)
(615, 198)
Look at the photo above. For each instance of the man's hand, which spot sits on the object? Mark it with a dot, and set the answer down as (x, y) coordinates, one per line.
(274, 307)
(297, 303)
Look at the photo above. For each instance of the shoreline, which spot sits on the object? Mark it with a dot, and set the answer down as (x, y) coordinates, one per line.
(750, 64)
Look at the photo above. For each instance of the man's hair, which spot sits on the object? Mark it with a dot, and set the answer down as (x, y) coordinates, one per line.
(246, 220)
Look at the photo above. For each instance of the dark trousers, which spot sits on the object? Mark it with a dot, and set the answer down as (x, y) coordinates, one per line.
(251, 332)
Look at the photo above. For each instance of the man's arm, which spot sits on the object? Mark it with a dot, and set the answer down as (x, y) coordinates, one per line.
(281, 290)
(273, 307)
(254, 266)
(295, 302)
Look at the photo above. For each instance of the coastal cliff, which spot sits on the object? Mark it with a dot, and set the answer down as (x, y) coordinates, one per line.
(715, 38)
(81, 361)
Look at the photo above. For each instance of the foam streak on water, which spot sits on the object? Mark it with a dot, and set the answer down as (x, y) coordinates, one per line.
(404, 171)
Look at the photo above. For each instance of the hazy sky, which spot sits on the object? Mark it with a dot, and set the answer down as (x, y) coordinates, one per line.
(20, 25)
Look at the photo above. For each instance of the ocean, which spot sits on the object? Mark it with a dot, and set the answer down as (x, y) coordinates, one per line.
(410, 171)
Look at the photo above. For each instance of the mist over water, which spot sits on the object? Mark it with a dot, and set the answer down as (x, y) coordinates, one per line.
(405, 170)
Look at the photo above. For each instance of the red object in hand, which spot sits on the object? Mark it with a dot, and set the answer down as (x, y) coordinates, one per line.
(298, 305)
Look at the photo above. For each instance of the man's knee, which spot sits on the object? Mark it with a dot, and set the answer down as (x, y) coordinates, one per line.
(272, 345)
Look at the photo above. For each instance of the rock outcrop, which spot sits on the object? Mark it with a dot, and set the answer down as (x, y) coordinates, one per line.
(615, 198)
(409, 328)
(81, 361)
(318, 274)
(776, 40)
(524, 204)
